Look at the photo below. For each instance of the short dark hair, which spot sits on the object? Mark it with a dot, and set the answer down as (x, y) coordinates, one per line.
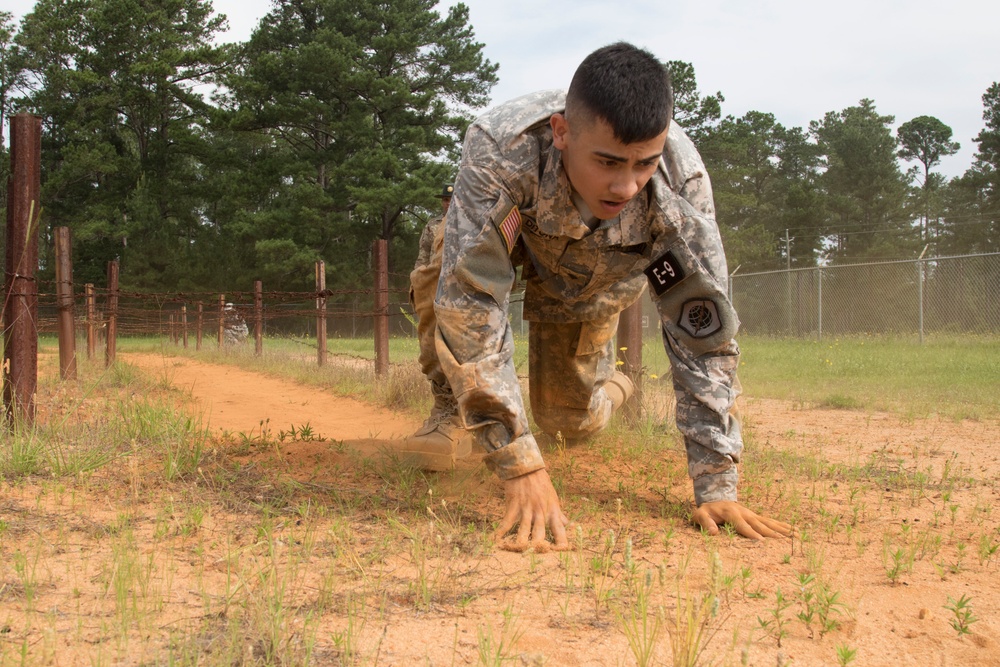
(625, 86)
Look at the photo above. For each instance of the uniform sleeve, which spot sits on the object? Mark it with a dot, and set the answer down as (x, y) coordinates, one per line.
(687, 282)
(474, 341)
(686, 172)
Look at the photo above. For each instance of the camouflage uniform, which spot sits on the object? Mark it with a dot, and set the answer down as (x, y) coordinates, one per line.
(234, 326)
(513, 205)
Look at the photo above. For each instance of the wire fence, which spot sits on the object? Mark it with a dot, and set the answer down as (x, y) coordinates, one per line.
(940, 295)
(349, 313)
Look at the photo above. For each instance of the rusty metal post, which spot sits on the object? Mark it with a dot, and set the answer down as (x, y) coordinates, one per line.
(630, 354)
(64, 304)
(320, 313)
(258, 317)
(197, 344)
(88, 291)
(222, 318)
(20, 303)
(111, 337)
(184, 324)
(381, 262)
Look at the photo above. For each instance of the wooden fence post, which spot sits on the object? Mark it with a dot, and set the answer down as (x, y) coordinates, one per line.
(64, 304)
(184, 324)
(197, 345)
(20, 303)
(320, 313)
(381, 262)
(88, 291)
(258, 317)
(111, 337)
(630, 354)
(222, 318)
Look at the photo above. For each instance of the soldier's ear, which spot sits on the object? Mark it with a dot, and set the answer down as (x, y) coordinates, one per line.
(560, 130)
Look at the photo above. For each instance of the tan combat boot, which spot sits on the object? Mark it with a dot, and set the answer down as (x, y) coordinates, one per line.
(436, 446)
(441, 441)
(619, 389)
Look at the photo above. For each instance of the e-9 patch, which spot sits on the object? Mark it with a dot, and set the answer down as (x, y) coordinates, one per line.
(664, 273)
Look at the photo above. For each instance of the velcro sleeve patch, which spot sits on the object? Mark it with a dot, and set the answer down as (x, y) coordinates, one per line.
(700, 318)
(664, 273)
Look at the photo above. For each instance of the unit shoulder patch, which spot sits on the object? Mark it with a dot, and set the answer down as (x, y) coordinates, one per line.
(700, 318)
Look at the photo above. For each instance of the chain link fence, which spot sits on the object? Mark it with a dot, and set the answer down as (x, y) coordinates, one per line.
(950, 295)
(938, 295)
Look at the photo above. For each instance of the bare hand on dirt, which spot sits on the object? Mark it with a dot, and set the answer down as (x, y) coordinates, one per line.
(746, 522)
(532, 506)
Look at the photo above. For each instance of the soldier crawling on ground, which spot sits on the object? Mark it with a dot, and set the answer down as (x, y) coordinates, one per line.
(595, 193)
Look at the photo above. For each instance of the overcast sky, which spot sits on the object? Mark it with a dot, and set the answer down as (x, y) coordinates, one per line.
(796, 59)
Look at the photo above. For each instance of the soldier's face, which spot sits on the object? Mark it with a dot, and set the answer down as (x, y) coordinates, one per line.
(603, 171)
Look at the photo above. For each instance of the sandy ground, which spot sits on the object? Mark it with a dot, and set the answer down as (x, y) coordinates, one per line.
(236, 401)
(888, 625)
(849, 526)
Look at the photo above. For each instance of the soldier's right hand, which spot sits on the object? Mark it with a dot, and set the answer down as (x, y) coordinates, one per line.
(532, 506)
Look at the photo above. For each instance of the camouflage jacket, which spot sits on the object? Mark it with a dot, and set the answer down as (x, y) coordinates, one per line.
(512, 196)
(425, 247)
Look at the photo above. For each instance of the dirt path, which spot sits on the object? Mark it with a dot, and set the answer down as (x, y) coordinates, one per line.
(238, 401)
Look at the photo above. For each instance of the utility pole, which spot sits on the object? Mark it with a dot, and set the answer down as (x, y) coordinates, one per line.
(788, 278)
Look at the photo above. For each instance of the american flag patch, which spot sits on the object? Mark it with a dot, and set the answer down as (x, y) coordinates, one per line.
(510, 228)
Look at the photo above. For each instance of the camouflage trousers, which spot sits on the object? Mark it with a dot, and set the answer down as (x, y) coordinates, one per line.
(423, 287)
(568, 363)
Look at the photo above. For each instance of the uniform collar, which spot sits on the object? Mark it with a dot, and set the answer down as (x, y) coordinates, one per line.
(556, 214)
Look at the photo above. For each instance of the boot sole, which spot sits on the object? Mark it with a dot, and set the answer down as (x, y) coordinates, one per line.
(436, 461)
(428, 462)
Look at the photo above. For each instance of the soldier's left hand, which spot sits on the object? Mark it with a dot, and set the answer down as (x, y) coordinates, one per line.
(746, 522)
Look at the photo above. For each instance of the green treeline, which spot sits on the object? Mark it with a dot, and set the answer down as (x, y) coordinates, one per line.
(204, 167)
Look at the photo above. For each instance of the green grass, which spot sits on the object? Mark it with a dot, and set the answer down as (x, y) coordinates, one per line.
(951, 376)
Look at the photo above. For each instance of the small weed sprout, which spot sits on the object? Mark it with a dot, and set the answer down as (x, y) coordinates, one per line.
(494, 651)
(956, 567)
(897, 565)
(690, 627)
(346, 641)
(846, 655)
(25, 570)
(987, 548)
(807, 598)
(962, 616)
(746, 574)
(776, 623)
(642, 623)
